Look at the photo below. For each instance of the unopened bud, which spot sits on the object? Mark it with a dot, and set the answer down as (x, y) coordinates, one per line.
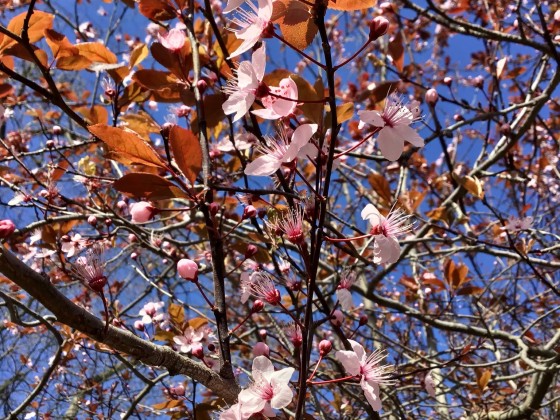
(363, 319)
(142, 212)
(337, 317)
(50, 144)
(214, 208)
(7, 227)
(188, 269)
(262, 334)
(378, 27)
(431, 97)
(325, 347)
(387, 7)
(249, 212)
(557, 16)
(447, 81)
(505, 129)
(258, 305)
(57, 130)
(251, 251)
(211, 347)
(177, 391)
(92, 220)
(202, 85)
(261, 349)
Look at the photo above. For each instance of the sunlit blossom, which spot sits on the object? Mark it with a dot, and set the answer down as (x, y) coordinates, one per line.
(343, 290)
(89, 269)
(190, 340)
(372, 373)
(291, 225)
(385, 231)
(261, 285)
(275, 107)
(251, 24)
(395, 122)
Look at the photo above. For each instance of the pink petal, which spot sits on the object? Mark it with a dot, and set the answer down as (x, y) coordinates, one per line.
(259, 62)
(250, 402)
(263, 165)
(410, 135)
(349, 360)
(345, 298)
(370, 212)
(246, 77)
(359, 350)
(266, 113)
(390, 143)
(371, 395)
(371, 117)
(300, 138)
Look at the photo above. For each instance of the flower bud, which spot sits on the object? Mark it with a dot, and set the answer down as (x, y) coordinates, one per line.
(261, 349)
(258, 306)
(177, 391)
(447, 81)
(263, 333)
(198, 351)
(211, 347)
(251, 251)
(121, 205)
(134, 255)
(378, 27)
(7, 227)
(92, 220)
(363, 319)
(249, 212)
(50, 144)
(188, 269)
(214, 208)
(202, 85)
(139, 325)
(142, 212)
(431, 96)
(325, 347)
(57, 130)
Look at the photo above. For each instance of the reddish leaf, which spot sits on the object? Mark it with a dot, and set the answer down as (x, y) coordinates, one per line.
(470, 290)
(296, 22)
(150, 186)
(396, 51)
(95, 115)
(154, 79)
(483, 377)
(351, 4)
(18, 50)
(59, 44)
(344, 112)
(186, 152)
(38, 22)
(176, 313)
(138, 54)
(5, 89)
(97, 52)
(157, 9)
(73, 62)
(381, 186)
(127, 145)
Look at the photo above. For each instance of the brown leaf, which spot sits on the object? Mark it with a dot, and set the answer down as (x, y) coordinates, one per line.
(197, 322)
(141, 123)
(19, 51)
(483, 377)
(381, 186)
(171, 61)
(176, 313)
(344, 112)
(470, 290)
(38, 22)
(127, 145)
(95, 115)
(186, 152)
(5, 89)
(59, 44)
(351, 4)
(396, 51)
(73, 62)
(296, 23)
(150, 186)
(154, 79)
(138, 54)
(157, 9)
(471, 183)
(97, 52)
(378, 92)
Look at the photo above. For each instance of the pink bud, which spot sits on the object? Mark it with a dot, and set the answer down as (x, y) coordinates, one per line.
(198, 351)
(557, 16)
(142, 212)
(214, 208)
(378, 27)
(57, 130)
(92, 220)
(337, 318)
(447, 80)
(132, 237)
(431, 96)
(249, 212)
(263, 333)
(261, 349)
(139, 325)
(121, 205)
(173, 40)
(251, 250)
(202, 85)
(134, 255)
(50, 144)
(325, 347)
(7, 227)
(178, 390)
(188, 269)
(363, 319)
(258, 306)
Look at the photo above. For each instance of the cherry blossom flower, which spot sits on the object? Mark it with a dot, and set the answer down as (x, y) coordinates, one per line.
(515, 224)
(278, 151)
(234, 413)
(275, 107)
(270, 388)
(371, 373)
(252, 24)
(430, 385)
(291, 225)
(151, 312)
(173, 40)
(190, 340)
(71, 245)
(262, 287)
(89, 269)
(293, 332)
(7, 227)
(243, 91)
(343, 290)
(246, 282)
(385, 230)
(395, 122)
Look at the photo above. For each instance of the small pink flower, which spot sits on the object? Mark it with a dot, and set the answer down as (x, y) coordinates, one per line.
(270, 388)
(291, 225)
(71, 245)
(7, 227)
(243, 91)
(430, 385)
(395, 122)
(151, 312)
(261, 285)
(385, 231)
(252, 25)
(190, 340)
(343, 290)
(89, 269)
(261, 349)
(293, 332)
(371, 373)
(514, 224)
(275, 107)
(278, 151)
(173, 40)
(234, 413)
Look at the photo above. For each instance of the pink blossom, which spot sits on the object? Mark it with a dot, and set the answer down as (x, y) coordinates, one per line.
(252, 24)
(190, 340)
(187, 269)
(261, 349)
(385, 231)
(246, 282)
(430, 385)
(395, 122)
(72, 245)
(343, 290)
(293, 332)
(141, 212)
(291, 224)
(278, 151)
(173, 40)
(515, 224)
(371, 373)
(262, 287)
(243, 91)
(234, 413)
(7, 227)
(89, 269)
(270, 389)
(151, 312)
(275, 107)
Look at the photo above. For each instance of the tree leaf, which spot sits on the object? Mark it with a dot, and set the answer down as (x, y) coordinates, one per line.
(150, 186)
(176, 313)
(18, 50)
(127, 145)
(396, 51)
(157, 9)
(141, 123)
(344, 112)
(381, 186)
(155, 79)
(73, 63)
(38, 22)
(296, 23)
(97, 52)
(351, 4)
(138, 54)
(95, 115)
(186, 151)
(59, 44)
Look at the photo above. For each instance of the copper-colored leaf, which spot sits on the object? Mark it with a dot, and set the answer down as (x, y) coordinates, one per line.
(344, 112)
(97, 52)
(141, 123)
(138, 54)
(483, 377)
(176, 313)
(171, 61)
(381, 186)
(296, 23)
(471, 183)
(150, 186)
(351, 4)
(396, 51)
(127, 144)
(186, 152)
(470, 290)
(73, 62)
(94, 115)
(59, 44)
(154, 79)
(18, 50)
(378, 92)
(157, 9)
(197, 322)
(38, 22)
(5, 89)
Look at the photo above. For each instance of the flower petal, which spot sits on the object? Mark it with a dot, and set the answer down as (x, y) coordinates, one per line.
(370, 212)
(345, 298)
(300, 138)
(263, 165)
(259, 62)
(390, 143)
(250, 402)
(349, 360)
(410, 135)
(372, 395)
(371, 117)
